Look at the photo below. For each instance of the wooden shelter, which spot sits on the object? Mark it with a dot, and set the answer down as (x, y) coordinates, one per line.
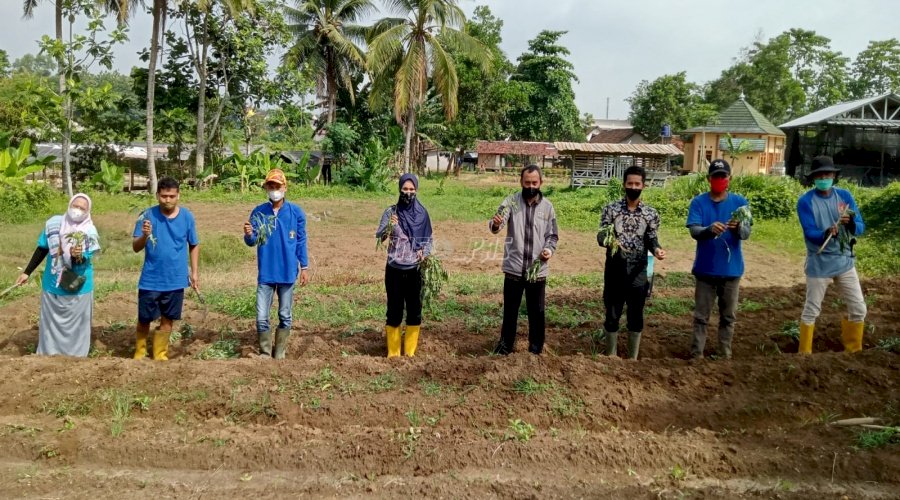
(862, 136)
(493, 155)
(595, 164)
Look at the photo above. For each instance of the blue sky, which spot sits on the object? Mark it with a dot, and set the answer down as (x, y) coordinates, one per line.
(614, 44)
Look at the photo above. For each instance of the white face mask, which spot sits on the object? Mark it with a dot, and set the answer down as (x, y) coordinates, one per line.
(77, 215)
(276, 195)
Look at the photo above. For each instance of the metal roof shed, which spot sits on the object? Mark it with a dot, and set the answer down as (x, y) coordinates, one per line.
(862, 136)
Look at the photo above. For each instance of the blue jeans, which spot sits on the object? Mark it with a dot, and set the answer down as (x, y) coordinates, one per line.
(264, 305)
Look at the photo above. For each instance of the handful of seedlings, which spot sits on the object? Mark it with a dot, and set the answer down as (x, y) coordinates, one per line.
(434, 276)
(742, 215)
(77, 239)
(610, 241)
(141, 218)
(264, 226)
(845, 239)
(388, 232)
(533, 270)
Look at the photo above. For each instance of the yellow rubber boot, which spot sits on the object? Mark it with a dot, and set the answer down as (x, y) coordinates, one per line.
(411, 340)
(806, 338)
(140, 345)
(160, 345)
(857, 330)
(393, 340)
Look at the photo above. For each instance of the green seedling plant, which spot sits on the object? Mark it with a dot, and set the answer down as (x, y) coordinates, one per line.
(609, 239)
(520, 430)
(533, 271)
(264, 225)
(142, 216)
(845, 239)
(388, 232)
(434, 277)
(741, 215)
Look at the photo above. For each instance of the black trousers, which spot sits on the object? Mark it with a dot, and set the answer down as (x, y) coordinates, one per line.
(621, 289)
(326, 174)
(535, 295)
(404, 288)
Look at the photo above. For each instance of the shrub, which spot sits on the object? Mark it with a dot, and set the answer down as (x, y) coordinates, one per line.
(880, 212)
(22, 203)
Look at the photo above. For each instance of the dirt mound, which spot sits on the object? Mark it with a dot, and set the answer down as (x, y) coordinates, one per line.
(338, 419)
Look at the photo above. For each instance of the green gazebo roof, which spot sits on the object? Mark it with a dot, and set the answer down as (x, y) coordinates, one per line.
(739, 118)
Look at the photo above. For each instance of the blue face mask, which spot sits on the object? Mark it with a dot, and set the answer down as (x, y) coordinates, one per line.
(823, 184)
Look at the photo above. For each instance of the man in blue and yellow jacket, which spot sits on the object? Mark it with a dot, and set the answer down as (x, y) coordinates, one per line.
(831, 221)
(278, 230)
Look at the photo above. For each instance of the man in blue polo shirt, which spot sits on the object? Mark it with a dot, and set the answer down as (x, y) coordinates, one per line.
(278, 229)
(167, 234)
(719, 261)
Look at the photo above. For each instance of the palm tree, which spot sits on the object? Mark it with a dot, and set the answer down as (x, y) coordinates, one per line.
(326, 42)
(406, 52)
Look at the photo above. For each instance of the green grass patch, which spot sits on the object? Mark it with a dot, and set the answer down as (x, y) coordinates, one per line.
(530, 387)
(227, 346)
(673, 306)
(871, 439)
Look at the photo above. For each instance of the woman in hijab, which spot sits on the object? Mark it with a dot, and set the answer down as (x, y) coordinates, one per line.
(67, 301)
(408, 227)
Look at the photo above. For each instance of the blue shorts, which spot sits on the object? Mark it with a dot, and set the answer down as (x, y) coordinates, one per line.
(152, 305)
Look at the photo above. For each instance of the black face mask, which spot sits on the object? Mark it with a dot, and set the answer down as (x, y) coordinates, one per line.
(407, 198)
(529, 193)
(633, 194)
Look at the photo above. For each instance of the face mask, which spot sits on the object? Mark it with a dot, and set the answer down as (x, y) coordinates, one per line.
(276, 195)
(407, 198)
(823, 184)
(718, 185)
(77, 215)
(529, 193)
(633, 194)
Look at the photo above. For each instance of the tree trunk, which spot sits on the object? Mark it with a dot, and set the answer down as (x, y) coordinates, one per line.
(67, 105)
(159, 7)
(202, 72)
(410, 128)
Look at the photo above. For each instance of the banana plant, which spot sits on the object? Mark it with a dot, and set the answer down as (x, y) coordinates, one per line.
(110, 178)
(16, 163)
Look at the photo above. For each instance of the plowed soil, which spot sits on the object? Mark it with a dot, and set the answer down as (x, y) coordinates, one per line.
(338, 419)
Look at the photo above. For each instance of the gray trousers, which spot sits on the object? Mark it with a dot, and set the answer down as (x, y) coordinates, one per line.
(708, 290)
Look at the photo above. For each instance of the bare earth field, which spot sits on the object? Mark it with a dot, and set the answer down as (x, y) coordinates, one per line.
(338, 419)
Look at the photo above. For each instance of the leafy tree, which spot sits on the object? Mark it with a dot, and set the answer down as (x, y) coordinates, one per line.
(485, 98)
(670, 99)
(547, 76)
(406, 52)
(4, 64)
(876, 69)
(75, 57)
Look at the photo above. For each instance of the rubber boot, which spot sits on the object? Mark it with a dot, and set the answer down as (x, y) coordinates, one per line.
(160, 345)
(859, 329)
(393, 340)
(265, 343)
(611, 341)
(806, 338)
(140, 345)
(852, 335)
(281, 340)
(411, 340)
(634, 344)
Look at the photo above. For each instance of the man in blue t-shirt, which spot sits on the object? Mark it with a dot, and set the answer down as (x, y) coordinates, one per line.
(831, 221)
(278, 230)
(167, 234)
(719, 262)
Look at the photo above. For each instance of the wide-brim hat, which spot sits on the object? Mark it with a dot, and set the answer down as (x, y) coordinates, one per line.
(822, 164)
